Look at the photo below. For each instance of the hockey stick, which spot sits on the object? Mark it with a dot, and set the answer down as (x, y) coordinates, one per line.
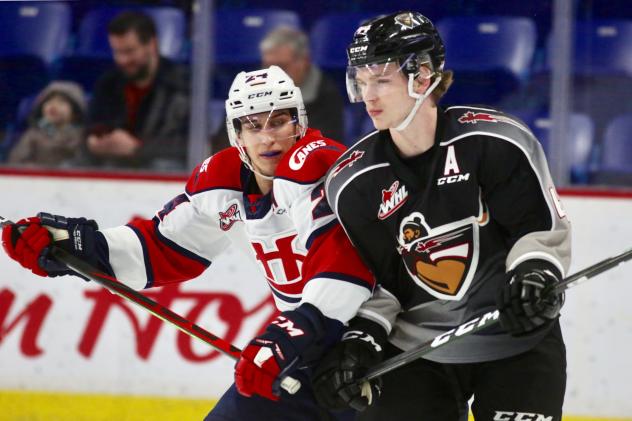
(113, 285)
(488, 319)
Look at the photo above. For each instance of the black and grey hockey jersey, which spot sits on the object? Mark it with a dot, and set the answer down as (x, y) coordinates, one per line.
(441, 230)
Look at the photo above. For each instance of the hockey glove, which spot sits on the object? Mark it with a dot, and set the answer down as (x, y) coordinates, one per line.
(28, 242)
(526, 302)
(294, 338)
(335, 381)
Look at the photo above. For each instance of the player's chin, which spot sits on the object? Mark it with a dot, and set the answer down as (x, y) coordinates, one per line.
(379, 124)
(267, 168)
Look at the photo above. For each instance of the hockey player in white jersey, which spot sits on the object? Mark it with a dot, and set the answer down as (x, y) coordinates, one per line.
(264, 194)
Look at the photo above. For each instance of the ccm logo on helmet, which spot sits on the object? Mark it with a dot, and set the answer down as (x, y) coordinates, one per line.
(300, 155)
(260, 94)
(358, 49)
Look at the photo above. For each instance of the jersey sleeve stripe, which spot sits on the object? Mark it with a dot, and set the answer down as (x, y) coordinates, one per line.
(174, 246)
(377, 318)
(343, 277)
(148, 268)
(320, 231)
(286, 298)
(335, 299)
(125, 256)
(538, 255)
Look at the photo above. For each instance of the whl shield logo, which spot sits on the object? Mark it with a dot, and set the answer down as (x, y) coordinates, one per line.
(392, 199)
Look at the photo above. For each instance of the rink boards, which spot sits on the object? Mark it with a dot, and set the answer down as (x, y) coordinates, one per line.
(70, 345)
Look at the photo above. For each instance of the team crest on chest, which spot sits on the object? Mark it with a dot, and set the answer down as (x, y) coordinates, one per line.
(229, 217)
(442, 260)
(392, 199)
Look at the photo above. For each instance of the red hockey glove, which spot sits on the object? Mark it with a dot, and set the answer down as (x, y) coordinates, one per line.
(25, 241)
(295, 337)
(28, 243)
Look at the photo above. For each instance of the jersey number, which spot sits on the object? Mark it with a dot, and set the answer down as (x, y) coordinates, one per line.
(321, 207)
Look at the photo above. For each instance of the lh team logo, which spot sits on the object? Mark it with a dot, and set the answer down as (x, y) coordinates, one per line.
(442, 260)
(229, 217)
(392, 199)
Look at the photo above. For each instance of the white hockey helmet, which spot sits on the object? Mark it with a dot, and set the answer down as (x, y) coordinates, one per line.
(259, 91)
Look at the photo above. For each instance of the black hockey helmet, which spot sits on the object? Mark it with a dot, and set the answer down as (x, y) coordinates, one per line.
(398, 36)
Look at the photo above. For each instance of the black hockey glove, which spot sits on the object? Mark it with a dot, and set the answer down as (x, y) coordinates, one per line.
(80, 242)
(335, 380)
(526, 302)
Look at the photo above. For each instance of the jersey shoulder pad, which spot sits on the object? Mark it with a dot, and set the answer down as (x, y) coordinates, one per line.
(466, 120)
(310, 158)
(219, 171)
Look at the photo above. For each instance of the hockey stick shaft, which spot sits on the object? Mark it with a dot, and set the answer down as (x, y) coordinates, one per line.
(487, 319)
(113, 285)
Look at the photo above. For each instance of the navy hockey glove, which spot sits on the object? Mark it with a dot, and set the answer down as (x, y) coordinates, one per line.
(525, 302)
(293, 339)
(28, 242)
(335, 381)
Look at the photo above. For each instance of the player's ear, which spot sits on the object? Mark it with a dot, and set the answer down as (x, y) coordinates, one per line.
(423, 80)
(240, 140)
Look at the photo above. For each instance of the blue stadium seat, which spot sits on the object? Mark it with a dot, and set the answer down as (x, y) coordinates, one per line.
(603, 48)
(237, 37)
(608, 9)
(92, 55)
(491, 56)
(37, 29)
(616, 150)
(579, 143)
(540, 11)
(238, 33)
(433, 9)
(32, 36)
(217, 115)
(92, 39)
(354, 119)
(331, 35)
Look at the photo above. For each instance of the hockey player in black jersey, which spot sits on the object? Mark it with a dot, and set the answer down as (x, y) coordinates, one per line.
(455, 212)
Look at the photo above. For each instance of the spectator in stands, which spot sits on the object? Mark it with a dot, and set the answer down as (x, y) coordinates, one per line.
(288, 48)
(139, 113)
(56, 127)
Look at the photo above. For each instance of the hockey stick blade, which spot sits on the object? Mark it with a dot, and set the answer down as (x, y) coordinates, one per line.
(487, 319)
(110, 283)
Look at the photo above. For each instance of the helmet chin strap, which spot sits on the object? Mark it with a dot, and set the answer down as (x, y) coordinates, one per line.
(419, 99)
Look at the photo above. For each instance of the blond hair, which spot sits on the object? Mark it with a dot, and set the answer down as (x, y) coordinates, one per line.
(447, 77)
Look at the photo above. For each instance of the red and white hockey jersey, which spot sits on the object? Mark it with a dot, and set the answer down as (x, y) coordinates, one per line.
(295, 238)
